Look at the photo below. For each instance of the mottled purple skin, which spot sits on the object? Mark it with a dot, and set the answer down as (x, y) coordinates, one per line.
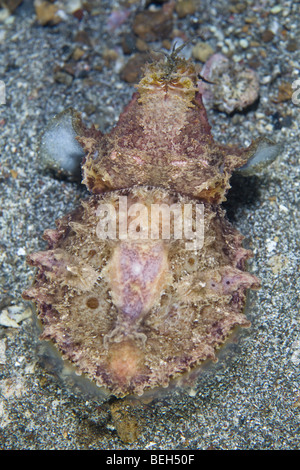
(134, 315)
(163, 139)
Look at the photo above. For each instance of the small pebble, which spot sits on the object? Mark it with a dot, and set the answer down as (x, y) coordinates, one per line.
(83, 37)
(167, 44)
(276, 9)
(202, 51)
(292, 45)
(244, 43)
(267, 36)
(78, 53)
(63, 77)
(132, 70)
(46, 12)
(4, 14)
(71, 6)
(238, 8)
(285, 92)
(185, 7)
(11, 5)
(128, 43)
(153, 25)
(265, 79)
(141, 45)
(110, 55)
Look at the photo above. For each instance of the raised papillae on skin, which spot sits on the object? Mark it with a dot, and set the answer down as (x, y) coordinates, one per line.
(162, 138)
(135, 314)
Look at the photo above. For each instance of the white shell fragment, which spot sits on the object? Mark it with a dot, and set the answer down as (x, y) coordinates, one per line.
(230, 86)
(59, 149)
(264, 153)
(12, 316)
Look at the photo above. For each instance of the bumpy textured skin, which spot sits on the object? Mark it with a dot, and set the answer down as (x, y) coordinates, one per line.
(163, 139)
(134, 314)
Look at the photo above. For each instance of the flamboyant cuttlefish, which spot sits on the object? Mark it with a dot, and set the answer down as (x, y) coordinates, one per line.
(146, 279)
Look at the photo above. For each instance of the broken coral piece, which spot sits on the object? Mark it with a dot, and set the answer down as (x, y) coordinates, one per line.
(232, 87)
